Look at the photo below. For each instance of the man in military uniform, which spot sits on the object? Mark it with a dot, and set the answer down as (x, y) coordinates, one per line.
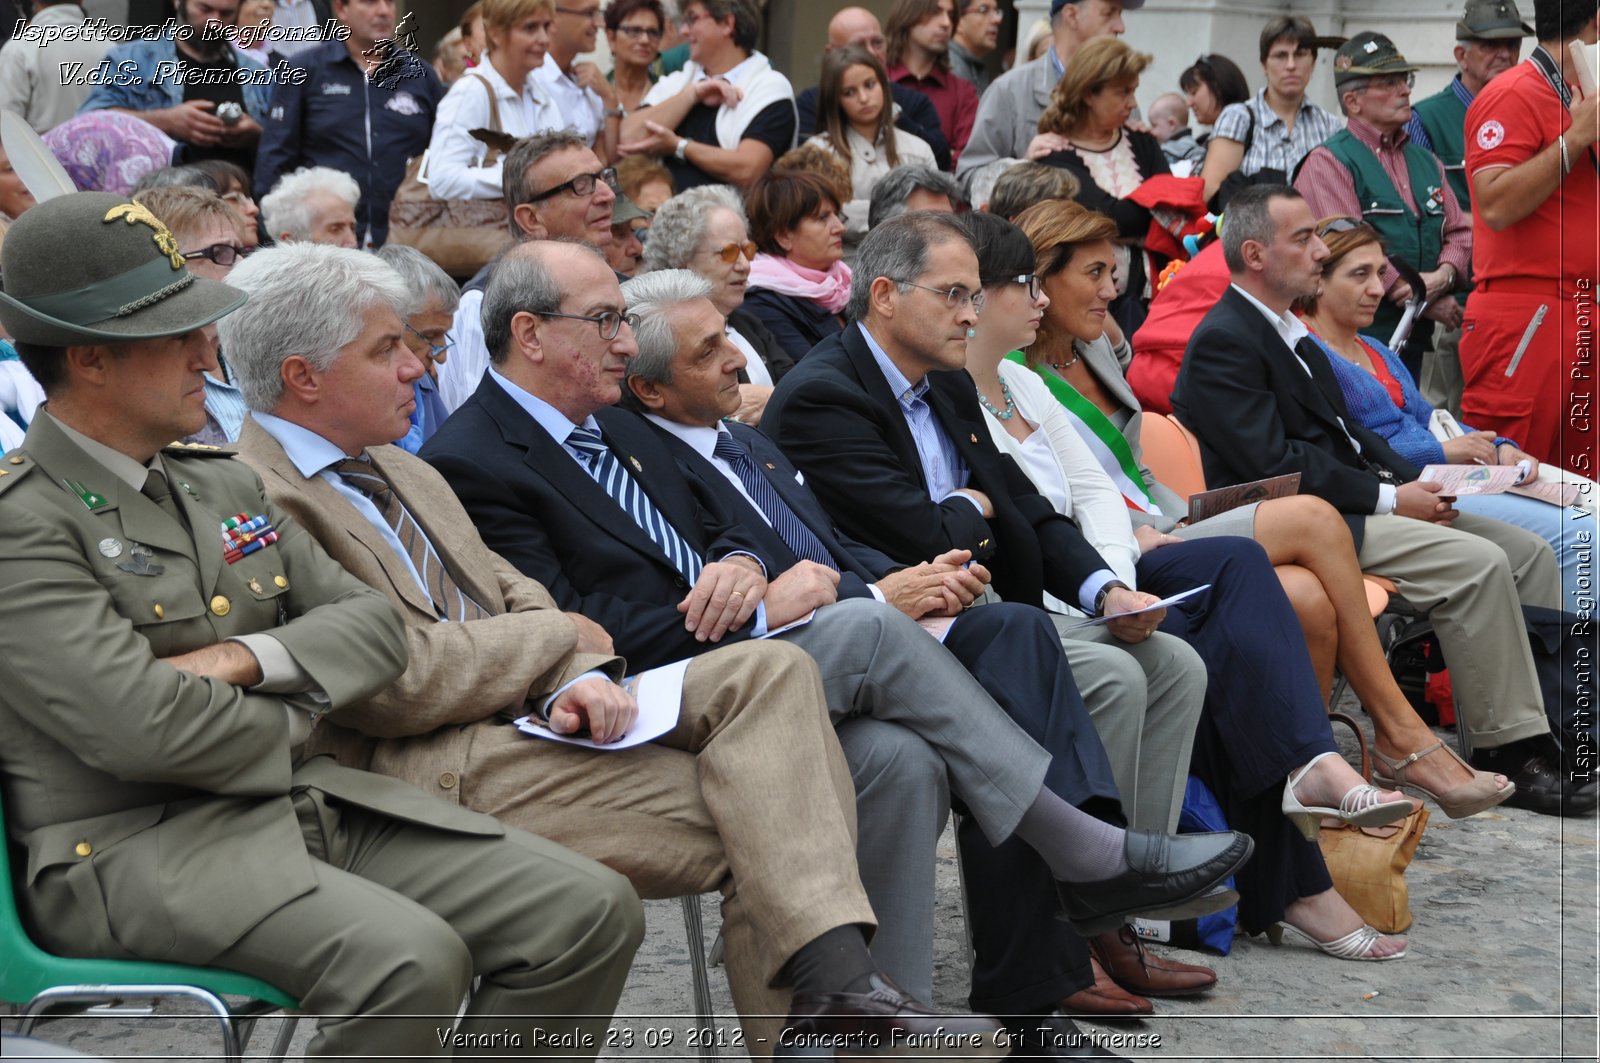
(1370, 169)
(1488, 41)
(167, 642)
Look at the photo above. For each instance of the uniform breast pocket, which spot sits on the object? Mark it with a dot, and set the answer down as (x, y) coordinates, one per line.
(258, 586)
(163, 608)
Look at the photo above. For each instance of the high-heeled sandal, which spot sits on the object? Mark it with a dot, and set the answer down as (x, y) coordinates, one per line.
(1465, 800)
(1356, 945)
(1360, 805)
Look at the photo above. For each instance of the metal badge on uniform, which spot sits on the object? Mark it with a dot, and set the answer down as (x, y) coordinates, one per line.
(140, 561)
(87, 495)
(110, 548)
(243, 535)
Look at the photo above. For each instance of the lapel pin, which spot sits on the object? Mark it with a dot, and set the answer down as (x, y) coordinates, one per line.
(635, 463)
(771, 466)
(973, 438)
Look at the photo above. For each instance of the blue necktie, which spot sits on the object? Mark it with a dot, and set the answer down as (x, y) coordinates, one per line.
(615, 481)
(789, 527)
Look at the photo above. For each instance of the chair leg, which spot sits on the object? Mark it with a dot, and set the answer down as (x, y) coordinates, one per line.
(694, 928)
(280, 1047)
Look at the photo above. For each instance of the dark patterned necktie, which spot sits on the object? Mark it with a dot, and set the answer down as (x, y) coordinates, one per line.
(784, 521)
(449, 600)
(626, 492)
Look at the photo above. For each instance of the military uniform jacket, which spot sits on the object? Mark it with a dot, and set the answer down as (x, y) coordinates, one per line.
(155, 805)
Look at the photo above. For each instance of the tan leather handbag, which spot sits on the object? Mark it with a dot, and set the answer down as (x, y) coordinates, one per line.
(461, 235)
(1368, 864)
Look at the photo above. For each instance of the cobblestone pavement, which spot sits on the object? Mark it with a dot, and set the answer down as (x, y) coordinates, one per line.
(1502, 965)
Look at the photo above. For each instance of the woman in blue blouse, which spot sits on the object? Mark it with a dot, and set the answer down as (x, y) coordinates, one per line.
(1382, 395)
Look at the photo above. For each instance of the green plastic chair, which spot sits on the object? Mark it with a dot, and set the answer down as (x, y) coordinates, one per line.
(38, 981)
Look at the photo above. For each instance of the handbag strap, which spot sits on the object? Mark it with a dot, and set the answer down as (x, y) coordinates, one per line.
(1361, 739)
(491, 154)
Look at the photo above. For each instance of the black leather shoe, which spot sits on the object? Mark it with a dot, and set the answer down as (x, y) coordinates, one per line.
(1541, 786)
(1168, 873)
(887, 1021)
(1055, 1037)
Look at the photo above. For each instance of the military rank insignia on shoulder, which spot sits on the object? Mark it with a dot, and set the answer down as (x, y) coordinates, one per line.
(199, 450)
(13, 467)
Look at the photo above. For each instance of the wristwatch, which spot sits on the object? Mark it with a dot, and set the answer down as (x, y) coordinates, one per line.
(1105, 592)
(618, 111)
(681, 152)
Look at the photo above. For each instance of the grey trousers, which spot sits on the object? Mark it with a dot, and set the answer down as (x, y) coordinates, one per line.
(938, 733)
(1471, 578)
(1145, 700)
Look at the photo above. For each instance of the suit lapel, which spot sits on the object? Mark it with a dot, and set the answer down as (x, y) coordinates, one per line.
(325, 499)
(551, 462)
(204, 524)
(1308, 390)
(1102, 362)
(448, 543)
(867, 373)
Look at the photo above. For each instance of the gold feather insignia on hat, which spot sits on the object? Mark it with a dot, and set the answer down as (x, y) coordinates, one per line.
(138, 212)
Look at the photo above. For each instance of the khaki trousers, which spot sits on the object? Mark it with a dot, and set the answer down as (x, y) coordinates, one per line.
(1471, 579)
(749, 795)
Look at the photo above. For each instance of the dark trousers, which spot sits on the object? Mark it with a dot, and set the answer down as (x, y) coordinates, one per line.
(1026, 959)
(1264, 714)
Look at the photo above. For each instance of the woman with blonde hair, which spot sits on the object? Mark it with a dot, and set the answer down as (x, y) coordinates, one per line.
(856, 116)
(1089, 109)
(504, 87)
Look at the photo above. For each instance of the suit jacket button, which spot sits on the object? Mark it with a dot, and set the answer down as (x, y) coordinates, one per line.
(220, 605)
(83, 849)
(447, 781)
(160, 612)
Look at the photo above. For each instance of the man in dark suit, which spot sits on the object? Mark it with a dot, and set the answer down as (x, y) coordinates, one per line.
(582, 498)
(1263, 401)
(681, 381)
(914, 111)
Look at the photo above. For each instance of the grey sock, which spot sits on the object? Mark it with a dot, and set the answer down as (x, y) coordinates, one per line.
(1078, 847)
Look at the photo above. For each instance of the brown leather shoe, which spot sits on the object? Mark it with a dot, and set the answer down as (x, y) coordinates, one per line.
(1138, 970)
(1105, 998)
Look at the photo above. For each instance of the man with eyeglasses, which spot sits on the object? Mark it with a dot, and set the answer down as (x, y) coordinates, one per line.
(328, 112)
(556, 188)
(1371, 169)
(587, 100)
(431, 301)
(584, 499)
(976, 37)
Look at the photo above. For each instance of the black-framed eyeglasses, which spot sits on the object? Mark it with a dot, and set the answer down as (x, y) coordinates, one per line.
(1032, 281)
(1338, 225)
(581, 185)
(686, 19)
(436, 351)
(955, 298)
(221, 254)
(609, 323)
(636, 32)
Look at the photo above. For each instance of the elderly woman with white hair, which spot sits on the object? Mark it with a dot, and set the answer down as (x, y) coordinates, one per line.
(705, 230)
(431, 301)
(315, 205)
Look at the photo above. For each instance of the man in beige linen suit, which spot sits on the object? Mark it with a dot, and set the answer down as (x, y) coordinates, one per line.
(749, 794)
(155, 692)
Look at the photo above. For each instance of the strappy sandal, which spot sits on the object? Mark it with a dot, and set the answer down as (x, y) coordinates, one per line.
(1356, 945)
(1465, 800)
(1360, 805)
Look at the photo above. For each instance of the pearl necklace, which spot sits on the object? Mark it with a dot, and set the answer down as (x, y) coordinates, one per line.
(1059, 366)
(1011, 404)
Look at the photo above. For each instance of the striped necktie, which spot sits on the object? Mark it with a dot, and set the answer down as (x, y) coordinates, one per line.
(784, 521)
(626, 492)
(449, 600)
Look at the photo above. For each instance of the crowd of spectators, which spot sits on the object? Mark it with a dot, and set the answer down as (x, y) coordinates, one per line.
(712, 360)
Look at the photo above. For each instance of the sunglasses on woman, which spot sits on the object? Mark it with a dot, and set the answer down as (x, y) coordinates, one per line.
(729, 252)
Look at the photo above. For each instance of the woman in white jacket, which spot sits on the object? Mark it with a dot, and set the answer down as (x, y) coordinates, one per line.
(499, 93)
(855, 120)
